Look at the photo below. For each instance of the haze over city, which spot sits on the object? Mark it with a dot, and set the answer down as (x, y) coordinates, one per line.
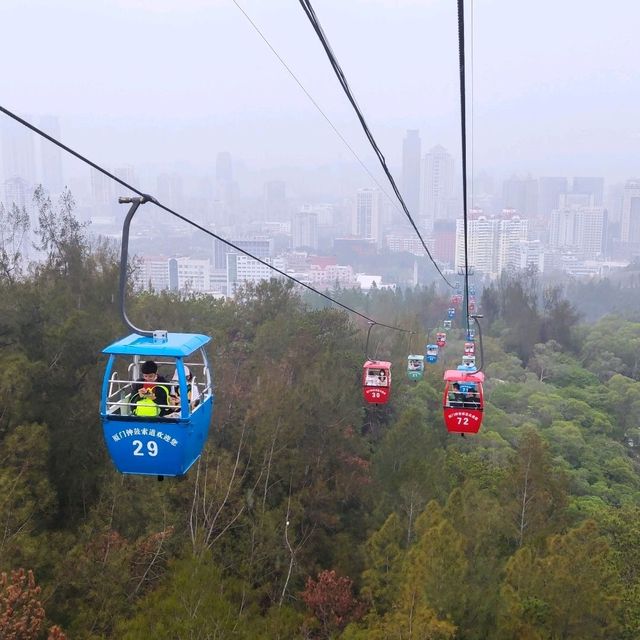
(187, 101)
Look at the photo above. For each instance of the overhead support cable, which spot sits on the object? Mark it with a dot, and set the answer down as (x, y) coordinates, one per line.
(317, 27)
(148, 198)
(463, 137)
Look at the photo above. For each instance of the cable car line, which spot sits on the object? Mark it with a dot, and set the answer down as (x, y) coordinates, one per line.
(313, 19)
(463, 137)
(147, 198)
(318, 107)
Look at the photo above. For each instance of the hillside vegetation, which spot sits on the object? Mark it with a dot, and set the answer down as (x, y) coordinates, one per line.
(309, 515)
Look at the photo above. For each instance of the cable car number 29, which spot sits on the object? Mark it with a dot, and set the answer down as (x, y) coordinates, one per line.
(152, 448)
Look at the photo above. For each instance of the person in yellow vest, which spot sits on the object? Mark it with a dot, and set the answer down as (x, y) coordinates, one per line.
(151, 397)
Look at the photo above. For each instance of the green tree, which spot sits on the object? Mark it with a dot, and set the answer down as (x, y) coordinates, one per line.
(572, 591)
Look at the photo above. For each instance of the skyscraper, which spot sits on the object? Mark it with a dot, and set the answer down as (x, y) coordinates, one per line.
(411, 147)
(437, 185)
(305, 230)
(367, 222)
(579, 228)
(224, 167)
(630, 231)
(494, 243)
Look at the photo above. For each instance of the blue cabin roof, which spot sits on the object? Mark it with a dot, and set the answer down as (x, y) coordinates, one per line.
(177, 345)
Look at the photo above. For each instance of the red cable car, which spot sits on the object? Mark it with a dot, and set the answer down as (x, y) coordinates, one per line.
(469, 348)
(376, 381)
(463, 401)
(441, 339)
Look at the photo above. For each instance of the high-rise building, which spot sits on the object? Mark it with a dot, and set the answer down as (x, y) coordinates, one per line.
(17, 191)
(590, 186)
(630, 228)
(437, 185)
(304, 227)
(411, 148)
(224, 167)
(579, 229)
(18, 155)
(521, 194)
(367, 219)
(549, 192)
(493, 244)
(444, 241)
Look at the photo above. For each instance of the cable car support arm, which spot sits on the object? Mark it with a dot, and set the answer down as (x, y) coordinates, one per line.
(124, 258)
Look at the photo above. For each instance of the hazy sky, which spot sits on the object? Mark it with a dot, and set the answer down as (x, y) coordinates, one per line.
(556, 83)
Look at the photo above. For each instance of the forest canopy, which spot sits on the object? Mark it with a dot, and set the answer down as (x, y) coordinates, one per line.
(308, 514)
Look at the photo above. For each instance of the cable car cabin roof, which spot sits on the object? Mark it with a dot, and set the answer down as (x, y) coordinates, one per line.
(415, 357)
(377, 364)
(452, 375)
(177, 345)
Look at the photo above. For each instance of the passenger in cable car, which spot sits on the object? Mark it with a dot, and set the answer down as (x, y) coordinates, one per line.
(382, 378)
(150, 397)
(372, 378)
(415, 365)
(455, 397)
(193, 394)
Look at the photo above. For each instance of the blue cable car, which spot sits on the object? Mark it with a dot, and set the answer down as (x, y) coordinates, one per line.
(451, 312)
(152, 439)
(432, 353)
(154, 426)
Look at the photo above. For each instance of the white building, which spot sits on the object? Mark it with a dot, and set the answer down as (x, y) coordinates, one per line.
(242, 270)
(305, 230)
(494, 244)
(152, 273)
(189, 275)
(367, 215)
(409, 244)
(579, 229)
(437, 185)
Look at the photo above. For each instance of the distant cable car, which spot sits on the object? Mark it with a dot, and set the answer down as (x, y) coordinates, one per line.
(463, 401)
(432, 353)
(472, 290)
(441, 339)
(468, 364)
(142, 436)
(376, 381)
(415, 367)
(447, 324)
(472, 306)
(451, 312)
(469, 348)
(471, 335)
